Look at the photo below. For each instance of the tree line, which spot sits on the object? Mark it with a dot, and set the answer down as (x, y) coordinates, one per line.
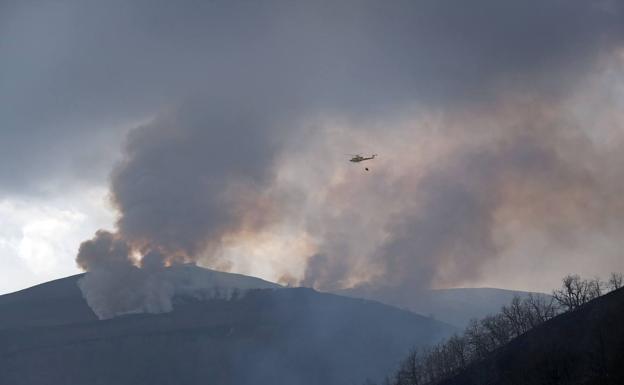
(433, 364)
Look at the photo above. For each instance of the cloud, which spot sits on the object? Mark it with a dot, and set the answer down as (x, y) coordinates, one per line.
(76, 74)
(39, 237)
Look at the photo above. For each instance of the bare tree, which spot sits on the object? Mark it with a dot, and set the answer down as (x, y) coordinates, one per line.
(575, 291)
(410, 371)
(498, 330)
(616, 281)
(517, 316)
(540, 308)
(458, 350)
(478, 342)
(439, 362)
(594, 288)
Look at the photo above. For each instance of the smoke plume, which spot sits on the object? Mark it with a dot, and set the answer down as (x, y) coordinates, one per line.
(487, 119)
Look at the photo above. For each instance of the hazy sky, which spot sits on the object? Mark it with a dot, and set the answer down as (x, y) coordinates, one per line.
(216, 132)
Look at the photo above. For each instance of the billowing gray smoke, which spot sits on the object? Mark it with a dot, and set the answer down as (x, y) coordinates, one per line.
(251, 87)
(446, 226)
(114, 285)
(191, 177)
(180, 187)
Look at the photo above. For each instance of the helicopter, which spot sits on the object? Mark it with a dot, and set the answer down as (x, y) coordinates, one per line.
(356, 158)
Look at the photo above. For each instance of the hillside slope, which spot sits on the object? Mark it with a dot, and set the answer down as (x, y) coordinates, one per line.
(61, 301)
(269, 336)
(581, 347)
(453, 306)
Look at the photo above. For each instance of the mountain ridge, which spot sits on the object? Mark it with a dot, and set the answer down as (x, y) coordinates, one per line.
(455, 306)
(266, 336)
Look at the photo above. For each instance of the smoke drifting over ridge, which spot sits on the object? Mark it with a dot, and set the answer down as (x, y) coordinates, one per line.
(479, 188)
(472, 111)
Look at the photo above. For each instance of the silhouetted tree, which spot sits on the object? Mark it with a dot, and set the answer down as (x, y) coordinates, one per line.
(576, 291)
(459, 351)
(540, 308)
(481, 337)
(616, 281)
(517, 316)
(523, 314)
(479, 344)
(410, 371)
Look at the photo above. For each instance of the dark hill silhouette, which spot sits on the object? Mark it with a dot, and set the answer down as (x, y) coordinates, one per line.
(56, 302)
(48, 335)
(585, 346)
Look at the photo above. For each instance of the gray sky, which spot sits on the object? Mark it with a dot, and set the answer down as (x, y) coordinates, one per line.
(216, 132)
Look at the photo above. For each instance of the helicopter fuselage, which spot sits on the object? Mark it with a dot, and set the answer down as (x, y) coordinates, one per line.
(358, 158)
